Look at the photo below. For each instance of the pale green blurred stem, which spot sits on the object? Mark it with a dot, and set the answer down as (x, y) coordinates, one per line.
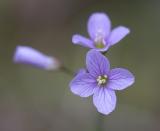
(67, 71)
(99, 123)
(104, 53)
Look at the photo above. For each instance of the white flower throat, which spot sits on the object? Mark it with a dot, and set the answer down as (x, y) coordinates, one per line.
(102, 80)
(99, 40)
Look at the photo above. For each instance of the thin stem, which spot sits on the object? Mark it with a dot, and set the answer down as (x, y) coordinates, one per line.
(67, 71)
(104, 53)
(99, 122)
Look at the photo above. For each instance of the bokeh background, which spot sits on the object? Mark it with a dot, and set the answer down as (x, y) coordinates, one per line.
(36, 100)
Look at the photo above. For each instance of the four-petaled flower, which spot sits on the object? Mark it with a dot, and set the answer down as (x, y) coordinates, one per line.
(101, 36)
(30, 56)
(101, 82)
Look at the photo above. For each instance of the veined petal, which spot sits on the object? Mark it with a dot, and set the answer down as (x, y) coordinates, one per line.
(99, 24)
(105, 100)
(97, 64)
(83, 41)
(120, 79)
(30, 56)
(118, 34)
(83, 85)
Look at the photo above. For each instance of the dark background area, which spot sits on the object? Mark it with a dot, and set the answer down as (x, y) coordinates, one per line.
(36, 100)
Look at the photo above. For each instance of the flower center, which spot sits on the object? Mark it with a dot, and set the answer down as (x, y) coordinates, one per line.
(102, 80)
(99, 41)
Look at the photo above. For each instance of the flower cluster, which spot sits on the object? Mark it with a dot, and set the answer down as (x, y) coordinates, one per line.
(97, 78)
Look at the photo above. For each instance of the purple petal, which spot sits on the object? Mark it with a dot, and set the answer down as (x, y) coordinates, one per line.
(97, 64)
(83, 85)
(118, 34)
(99, 24)
(30, 56)
(80, 40)
(105, 100)
(120, 79)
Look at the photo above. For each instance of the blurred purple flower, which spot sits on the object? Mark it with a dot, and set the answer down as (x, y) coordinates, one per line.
(101, 82)
(101, 36)
(30, 56)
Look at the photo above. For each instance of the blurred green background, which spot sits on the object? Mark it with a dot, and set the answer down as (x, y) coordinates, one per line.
(36, 100)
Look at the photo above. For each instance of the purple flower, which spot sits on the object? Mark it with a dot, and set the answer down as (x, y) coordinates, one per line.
(101, 82)
(101, 36)
(30, 56)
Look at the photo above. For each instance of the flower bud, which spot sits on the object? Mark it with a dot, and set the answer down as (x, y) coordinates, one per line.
(28, 55)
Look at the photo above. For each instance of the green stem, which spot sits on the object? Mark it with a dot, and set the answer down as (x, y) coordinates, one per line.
(104, 53)
(99, 123)
(67, 71)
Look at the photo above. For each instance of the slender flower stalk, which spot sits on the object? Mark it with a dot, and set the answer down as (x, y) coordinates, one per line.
(67, 70)
(28, 55)
(99, 126)
(101, 35)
